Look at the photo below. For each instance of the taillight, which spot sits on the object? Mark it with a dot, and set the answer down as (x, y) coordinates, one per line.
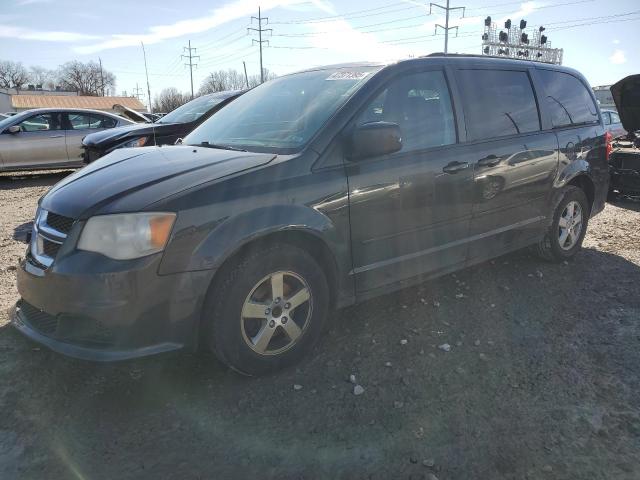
(608, 138)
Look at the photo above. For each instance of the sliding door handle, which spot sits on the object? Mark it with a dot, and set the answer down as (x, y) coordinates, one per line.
(455, 167)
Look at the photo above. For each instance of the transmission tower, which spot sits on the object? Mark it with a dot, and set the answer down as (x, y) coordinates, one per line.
(446, 26)
(260, 30)
(190, 56)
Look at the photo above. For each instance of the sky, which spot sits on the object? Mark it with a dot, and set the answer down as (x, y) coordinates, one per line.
(599, 37)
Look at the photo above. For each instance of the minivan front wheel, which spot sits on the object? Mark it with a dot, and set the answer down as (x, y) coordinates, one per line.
(568, 228)
(267, 310)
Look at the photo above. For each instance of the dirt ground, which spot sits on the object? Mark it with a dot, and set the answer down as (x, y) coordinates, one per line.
(541, 382)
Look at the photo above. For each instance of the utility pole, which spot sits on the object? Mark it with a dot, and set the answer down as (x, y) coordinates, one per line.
(147, 73)
(101, 76)
(246, 77)
(136, 91)
(446, 27)
(260, 19)
(190, 64)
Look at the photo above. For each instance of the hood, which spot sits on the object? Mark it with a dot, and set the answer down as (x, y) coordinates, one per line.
(129, 179)
(130, 114)
(109, 137)
(626, 95)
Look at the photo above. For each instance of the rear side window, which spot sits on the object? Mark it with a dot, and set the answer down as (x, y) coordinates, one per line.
(497, 103)
(614, 118)
(567, 99)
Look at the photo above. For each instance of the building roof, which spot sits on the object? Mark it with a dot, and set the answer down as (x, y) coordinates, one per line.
(63, 101)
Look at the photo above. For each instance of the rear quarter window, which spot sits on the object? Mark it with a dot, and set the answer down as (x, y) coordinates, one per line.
(567, 99)
(497, 103)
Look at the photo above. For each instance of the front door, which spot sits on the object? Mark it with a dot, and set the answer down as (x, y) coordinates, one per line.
(40, 143)
(410, 210)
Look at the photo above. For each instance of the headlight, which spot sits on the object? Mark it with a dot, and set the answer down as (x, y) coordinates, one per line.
(128, 235)
(136, 142)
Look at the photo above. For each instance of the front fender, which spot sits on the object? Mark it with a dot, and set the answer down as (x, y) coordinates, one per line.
(209, 251)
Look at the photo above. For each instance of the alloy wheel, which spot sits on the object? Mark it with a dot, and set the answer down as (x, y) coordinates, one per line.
(570, 225)
(276, 313)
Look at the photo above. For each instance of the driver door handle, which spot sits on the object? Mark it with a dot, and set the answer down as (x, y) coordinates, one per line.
(455, 167)
(489, 161)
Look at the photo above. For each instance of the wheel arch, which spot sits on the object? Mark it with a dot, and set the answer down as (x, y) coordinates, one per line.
(584, 182)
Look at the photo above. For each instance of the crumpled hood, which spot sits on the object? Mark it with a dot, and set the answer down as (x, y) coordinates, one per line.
(112, 135)
(626, 95)
(129, 179)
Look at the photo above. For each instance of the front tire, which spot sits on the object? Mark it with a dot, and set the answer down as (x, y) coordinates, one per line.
(564, 236)
(267, 310)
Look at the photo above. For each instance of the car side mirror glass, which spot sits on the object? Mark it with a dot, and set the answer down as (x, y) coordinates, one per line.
(14, 129)
(374, 139)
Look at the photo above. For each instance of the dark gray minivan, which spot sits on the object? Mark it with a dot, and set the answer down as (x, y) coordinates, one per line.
(308, 193)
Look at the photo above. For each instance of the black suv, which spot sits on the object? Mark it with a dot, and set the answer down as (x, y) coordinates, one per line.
(308, 193)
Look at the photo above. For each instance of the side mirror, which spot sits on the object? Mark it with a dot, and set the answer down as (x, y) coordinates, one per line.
(14, 129)
(374, 139)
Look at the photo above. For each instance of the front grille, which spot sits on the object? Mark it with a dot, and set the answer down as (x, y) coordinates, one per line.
(59, 223)
(39, 320)
(50, 249)
(50, 231)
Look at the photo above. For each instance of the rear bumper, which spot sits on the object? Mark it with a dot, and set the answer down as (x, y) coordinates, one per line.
(109, 315)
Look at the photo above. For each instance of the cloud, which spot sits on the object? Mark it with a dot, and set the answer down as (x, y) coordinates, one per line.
(8, 31)
(618, 57)
(218, 16)
(616, 41)
(340, 36)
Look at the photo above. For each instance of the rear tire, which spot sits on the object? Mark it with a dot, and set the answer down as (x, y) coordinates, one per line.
(267, 310)
(564, 236)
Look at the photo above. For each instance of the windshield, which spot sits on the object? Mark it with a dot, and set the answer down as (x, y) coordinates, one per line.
(282, 115)
(193, 110)
(7, 122)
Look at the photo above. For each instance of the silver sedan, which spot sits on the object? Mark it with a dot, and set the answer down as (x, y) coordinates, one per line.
(50, 138)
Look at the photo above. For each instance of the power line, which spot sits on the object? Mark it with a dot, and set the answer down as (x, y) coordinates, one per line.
(260, 19)
(190, 56)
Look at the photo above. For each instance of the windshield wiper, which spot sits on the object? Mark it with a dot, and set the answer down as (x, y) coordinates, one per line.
(221, 147)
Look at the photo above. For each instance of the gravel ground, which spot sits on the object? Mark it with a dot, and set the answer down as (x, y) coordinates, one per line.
(541, 381)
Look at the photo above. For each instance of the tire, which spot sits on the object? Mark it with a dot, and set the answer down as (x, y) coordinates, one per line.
(550, 247)
(237, 338)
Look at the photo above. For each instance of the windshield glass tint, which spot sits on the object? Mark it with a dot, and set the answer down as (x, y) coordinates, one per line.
(282, 115)
(193, 110)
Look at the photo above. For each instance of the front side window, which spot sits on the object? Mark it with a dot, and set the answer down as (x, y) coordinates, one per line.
(497, 103)
(41, 122)
(568, 99)
(420, 104)
(282, 115)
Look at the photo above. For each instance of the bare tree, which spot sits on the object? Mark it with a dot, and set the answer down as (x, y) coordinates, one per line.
(221, 80)
(13, 75)
(86, 78)
(170, 99)
(41, 76)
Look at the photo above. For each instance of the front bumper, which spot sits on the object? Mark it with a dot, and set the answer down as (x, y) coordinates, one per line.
(93, 308)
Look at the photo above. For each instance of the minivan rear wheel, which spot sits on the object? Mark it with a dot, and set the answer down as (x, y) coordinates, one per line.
(568, 228)
(267, 310)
